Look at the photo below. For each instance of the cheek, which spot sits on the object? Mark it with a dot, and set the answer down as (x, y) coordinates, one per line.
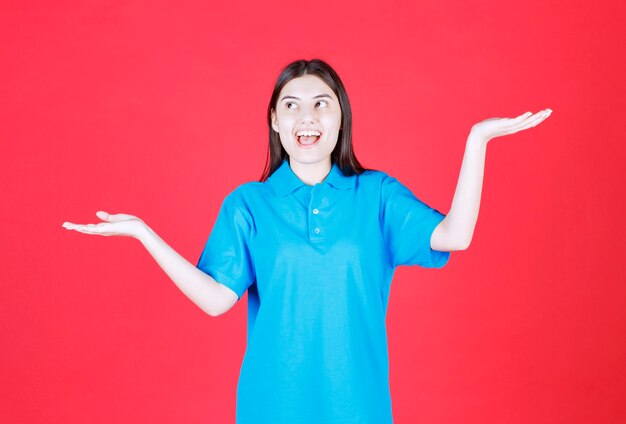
(285, 125)
(336, 119)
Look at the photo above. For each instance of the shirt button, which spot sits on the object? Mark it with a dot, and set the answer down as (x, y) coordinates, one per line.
(315, 211)
(316, 231)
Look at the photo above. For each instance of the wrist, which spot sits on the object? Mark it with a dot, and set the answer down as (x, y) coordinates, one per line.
(477, 139)
(144, 233)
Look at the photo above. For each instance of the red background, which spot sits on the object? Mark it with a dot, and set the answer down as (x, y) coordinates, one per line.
(158, 109)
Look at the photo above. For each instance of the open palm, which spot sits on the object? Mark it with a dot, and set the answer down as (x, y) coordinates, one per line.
(120, 224)
(496, 127)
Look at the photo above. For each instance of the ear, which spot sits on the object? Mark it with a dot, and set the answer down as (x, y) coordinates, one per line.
(274, 121)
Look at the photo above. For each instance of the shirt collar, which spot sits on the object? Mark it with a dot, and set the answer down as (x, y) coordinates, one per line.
(285, 181)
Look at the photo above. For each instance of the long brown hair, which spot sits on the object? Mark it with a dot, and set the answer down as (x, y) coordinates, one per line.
(343, 154)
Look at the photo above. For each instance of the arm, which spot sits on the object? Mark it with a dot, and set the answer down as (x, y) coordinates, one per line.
(455, 231)
(212, 297)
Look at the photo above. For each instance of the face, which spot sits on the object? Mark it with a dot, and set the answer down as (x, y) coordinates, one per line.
(306, 103)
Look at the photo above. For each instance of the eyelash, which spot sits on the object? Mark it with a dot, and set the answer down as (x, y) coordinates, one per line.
(292, 103)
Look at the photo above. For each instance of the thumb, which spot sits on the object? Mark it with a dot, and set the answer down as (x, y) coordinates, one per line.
(103, 215)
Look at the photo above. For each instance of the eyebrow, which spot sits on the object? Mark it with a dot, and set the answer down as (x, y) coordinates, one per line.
(298, 98)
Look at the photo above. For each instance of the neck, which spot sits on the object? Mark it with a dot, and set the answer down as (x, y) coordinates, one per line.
(311, 173)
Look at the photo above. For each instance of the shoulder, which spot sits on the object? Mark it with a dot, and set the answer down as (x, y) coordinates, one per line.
(371, 176)
(387, 188)
(378, 179)
(247, 190)
(379, 186)
(245, 196)
(239, 204)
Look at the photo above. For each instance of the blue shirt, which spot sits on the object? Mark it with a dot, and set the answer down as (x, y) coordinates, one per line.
(317, 262)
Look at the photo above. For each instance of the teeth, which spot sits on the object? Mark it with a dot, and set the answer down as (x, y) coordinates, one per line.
(308, 133)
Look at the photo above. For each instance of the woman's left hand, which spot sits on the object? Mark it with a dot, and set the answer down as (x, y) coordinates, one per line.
(496, 127)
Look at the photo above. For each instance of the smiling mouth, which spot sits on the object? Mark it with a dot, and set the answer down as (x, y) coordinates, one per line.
(308, 136)
(308, 140)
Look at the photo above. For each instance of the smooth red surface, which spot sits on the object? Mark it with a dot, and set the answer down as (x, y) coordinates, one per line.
(158, 109)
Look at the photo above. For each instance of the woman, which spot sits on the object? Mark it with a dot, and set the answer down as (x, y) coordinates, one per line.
(315, 243)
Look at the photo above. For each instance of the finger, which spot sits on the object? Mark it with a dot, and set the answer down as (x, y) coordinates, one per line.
(530, 122)
(119, 217)
(533, 124)
(71, 225)
(528, 115)
(542, 114)
(90, 228)
(507, 123)
(87, 231)
(524, 121)
(84, 230)
(517, 119)
(510, 125)
(103, 215)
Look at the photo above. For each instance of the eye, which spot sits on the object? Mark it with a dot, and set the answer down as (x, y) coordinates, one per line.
(289, 103)
(323, 101)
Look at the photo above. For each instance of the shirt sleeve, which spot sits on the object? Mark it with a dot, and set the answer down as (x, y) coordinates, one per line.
(407, 225)
(226, 254)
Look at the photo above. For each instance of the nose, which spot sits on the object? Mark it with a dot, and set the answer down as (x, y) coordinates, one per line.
(307, 116)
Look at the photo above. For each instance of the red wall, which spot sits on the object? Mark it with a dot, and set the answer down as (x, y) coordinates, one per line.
(158, 110)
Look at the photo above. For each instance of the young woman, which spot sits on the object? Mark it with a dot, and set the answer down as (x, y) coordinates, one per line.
(315, 243)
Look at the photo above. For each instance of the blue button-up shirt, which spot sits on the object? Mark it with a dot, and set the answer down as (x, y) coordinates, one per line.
(317, 262)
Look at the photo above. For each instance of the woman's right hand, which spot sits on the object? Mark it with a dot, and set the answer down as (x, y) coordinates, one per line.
(120, 224)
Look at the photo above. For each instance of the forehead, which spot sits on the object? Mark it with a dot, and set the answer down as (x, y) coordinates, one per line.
(306, 86)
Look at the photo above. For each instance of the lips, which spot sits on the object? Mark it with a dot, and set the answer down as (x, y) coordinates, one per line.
(308, 140)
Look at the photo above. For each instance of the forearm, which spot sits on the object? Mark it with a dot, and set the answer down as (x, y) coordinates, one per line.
(455, 231)
(201, 288)
(457, 228)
